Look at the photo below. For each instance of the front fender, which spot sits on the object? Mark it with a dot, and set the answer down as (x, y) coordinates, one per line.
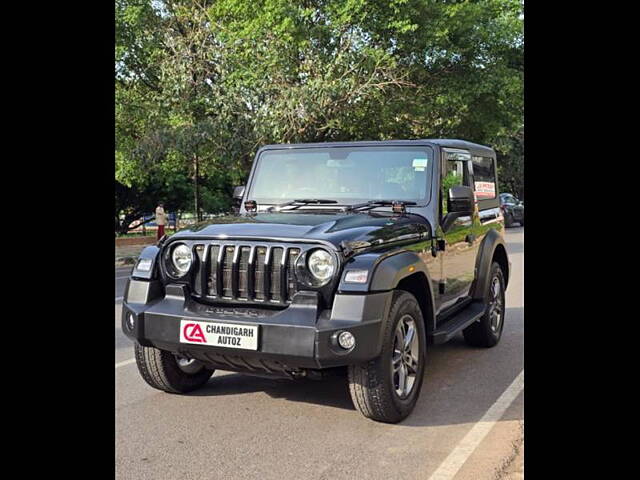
(152, 253)
(387, 271)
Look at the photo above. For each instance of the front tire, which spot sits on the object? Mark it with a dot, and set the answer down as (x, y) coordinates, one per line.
(488, 330)
(164, 371)
(386, 388)
(508, 220)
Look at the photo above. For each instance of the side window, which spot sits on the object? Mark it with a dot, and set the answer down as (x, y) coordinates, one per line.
(484, 178)
(455, 172)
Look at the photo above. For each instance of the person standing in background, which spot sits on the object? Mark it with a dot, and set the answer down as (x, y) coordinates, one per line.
(161, 220)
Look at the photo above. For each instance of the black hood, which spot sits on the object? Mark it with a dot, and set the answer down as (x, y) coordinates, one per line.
(357, 230)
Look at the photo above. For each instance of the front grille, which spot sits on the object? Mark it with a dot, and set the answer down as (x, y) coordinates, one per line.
(240, 272)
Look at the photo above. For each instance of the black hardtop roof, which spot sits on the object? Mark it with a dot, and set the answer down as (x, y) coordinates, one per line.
(441, 142)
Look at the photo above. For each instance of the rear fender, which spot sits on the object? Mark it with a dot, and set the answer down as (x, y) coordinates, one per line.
(492, 245)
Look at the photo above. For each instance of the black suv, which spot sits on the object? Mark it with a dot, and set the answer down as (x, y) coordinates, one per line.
(512, 209)
(343, 256)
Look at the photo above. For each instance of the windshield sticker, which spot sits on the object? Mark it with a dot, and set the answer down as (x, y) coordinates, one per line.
(420, 162)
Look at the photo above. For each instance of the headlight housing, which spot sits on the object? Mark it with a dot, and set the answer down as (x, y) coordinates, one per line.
(181, 259)
(321, 265)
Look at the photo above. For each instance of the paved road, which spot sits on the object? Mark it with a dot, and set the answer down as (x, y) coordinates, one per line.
(242, 426)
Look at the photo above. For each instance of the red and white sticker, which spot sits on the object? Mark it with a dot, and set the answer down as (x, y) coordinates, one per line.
(228, 335)
(485, 190)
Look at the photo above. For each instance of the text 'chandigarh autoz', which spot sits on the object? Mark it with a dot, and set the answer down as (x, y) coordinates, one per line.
(342, 257)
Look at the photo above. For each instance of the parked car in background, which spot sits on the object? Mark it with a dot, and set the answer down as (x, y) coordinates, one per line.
(512, 209)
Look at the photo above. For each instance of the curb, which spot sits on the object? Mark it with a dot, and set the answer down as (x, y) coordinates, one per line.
(131, 241)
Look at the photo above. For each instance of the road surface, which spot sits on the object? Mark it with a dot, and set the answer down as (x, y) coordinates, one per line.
(468, 423)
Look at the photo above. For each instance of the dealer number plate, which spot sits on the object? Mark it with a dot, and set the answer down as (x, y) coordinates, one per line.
(228, 335)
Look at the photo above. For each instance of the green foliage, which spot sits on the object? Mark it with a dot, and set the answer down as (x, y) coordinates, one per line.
(510, 153)
(207, 83)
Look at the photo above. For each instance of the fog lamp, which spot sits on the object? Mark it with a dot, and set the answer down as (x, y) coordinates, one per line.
(346, 340)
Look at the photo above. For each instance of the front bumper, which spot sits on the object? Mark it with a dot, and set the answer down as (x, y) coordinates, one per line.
(299, 337)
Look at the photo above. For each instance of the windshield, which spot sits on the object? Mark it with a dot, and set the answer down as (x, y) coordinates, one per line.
(345, 174)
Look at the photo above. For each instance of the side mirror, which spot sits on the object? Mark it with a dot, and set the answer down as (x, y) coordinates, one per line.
(461, 200)
(460, 203)
(238, 193)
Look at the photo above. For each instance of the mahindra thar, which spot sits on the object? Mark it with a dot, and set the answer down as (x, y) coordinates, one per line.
(349, 257)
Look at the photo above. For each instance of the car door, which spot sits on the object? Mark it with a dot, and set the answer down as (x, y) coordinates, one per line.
(460, 243)
(485, 181)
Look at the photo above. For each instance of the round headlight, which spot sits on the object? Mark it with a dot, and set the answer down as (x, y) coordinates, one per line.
(181, 258)
(321, 265)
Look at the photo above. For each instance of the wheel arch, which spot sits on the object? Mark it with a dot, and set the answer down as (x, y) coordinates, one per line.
(418, 285)
(492, 249)
(404, 270)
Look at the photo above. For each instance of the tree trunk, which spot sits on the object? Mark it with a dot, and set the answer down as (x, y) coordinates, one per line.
(196, 190)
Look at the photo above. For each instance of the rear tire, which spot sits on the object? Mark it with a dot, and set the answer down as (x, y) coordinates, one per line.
(163, 371)
(487, 332)
(375, 386)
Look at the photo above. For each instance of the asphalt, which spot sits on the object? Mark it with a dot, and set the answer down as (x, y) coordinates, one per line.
(241, 426)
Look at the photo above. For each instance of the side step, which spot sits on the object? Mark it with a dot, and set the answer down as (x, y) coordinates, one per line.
(458, 322)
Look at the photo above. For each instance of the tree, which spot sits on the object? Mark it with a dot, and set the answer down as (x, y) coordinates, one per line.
(510, 153)
(200, 85)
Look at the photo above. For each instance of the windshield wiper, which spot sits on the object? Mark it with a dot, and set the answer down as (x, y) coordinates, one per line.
(379, 203)
(302, 202)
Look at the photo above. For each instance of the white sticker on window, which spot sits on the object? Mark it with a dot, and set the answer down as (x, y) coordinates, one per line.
(420, 162)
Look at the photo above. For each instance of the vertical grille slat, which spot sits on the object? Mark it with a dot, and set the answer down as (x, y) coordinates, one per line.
(197, 254)
(243, 272)
(204, 274)
(283, 274)
(251, 274)
(291, 266)
(235, 271)
(276, 274)
(266, 281)
(261, 258)
(227, 266)
(220, 269)
(213, 288)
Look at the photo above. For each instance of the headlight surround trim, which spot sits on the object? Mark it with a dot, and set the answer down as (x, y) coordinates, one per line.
(304, 272)
(321, 265)
(173, 269)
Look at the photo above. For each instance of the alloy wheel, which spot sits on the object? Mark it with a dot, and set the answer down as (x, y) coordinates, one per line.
(405, 356)
(496, 304)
